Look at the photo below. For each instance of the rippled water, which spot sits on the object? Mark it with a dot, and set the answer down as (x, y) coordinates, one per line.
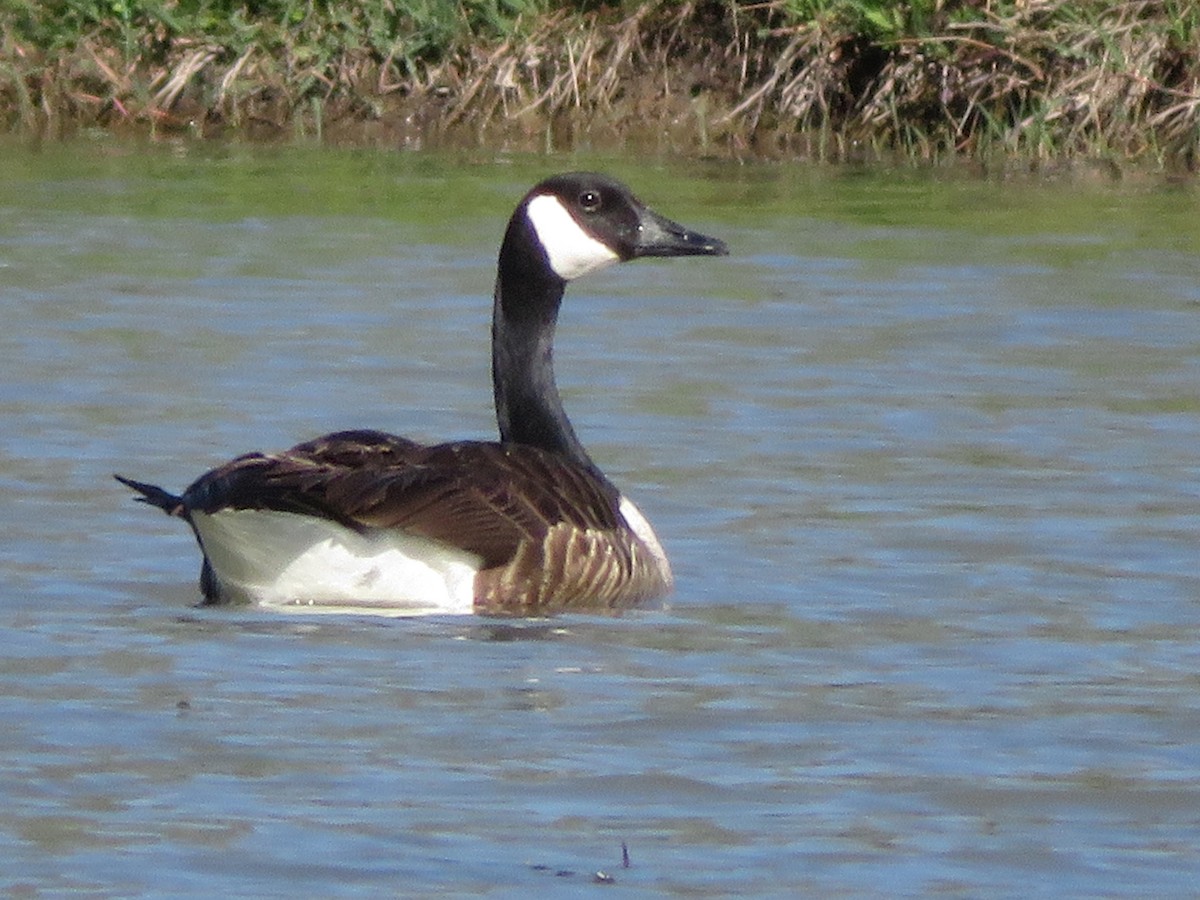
(923, 452)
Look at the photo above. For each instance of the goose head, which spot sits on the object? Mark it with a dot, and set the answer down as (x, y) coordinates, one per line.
(579, 222)
(565, 227)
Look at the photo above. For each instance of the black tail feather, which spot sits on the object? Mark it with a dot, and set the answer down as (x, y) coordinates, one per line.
(155, 496)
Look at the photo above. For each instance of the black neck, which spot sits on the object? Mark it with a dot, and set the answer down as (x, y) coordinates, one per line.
(527, 298)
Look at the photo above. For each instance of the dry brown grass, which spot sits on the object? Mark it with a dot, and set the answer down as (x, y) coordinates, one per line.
(700, 76)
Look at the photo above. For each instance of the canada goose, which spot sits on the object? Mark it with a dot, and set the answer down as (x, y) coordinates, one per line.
(363, 520)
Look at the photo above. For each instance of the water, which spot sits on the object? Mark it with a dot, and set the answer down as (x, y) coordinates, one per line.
(923, 452)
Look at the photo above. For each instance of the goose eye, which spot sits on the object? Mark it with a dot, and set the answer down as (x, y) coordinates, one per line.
(589, 201)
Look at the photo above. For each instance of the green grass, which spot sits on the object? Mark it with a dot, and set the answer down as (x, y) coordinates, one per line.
(927, 79)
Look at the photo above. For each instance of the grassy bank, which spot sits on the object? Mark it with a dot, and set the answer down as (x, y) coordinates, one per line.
(927, 79)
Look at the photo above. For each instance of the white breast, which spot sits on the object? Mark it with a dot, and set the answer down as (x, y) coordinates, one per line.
(641, 527)
(305, 564)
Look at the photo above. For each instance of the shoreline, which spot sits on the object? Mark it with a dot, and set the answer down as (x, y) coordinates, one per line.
(993, 84)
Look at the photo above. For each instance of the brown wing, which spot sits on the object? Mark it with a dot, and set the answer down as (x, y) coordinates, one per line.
(489, 499)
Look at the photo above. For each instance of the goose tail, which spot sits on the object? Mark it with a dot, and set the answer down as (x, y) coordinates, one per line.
(152, 494)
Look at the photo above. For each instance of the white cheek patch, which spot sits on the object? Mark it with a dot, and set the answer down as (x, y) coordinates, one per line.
(571, 250)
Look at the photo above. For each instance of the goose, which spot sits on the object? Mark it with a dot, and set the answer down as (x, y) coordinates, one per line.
(368, 521)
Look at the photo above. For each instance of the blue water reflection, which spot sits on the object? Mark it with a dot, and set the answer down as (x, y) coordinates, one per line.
(923, 452)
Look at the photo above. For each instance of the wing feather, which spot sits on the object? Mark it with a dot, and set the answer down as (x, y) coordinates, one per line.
(486, 498)
(549, 533)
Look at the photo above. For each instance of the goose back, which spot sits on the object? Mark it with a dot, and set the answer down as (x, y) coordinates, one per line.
(545, 530)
